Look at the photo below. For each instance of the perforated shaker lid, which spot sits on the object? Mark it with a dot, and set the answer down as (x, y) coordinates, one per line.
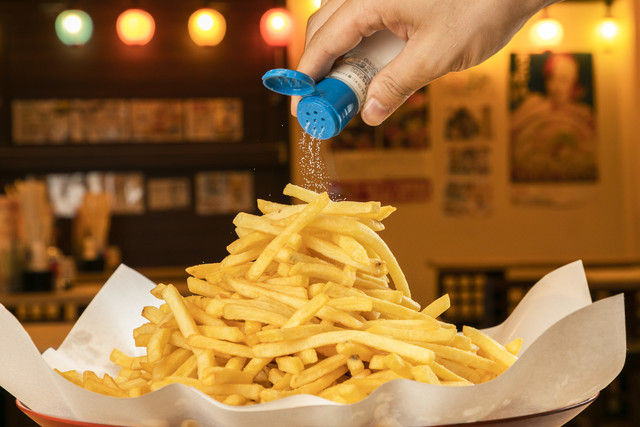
(288, 82)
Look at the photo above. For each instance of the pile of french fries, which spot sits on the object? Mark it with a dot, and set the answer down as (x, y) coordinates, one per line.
(310, 300)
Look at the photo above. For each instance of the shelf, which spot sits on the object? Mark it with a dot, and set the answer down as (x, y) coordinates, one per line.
(135, 156)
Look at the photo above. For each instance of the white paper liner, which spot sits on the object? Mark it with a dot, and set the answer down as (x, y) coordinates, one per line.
(572, 349)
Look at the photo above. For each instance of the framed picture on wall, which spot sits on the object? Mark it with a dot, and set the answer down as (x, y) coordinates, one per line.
(224, 192)
(553, 136)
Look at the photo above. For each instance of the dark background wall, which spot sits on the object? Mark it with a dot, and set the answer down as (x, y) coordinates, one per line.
(34, 64)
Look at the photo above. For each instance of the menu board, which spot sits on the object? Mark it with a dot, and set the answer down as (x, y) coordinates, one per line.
(213, 119)
(99, 120)
(82, 121)
(40, 121)
(156, 120)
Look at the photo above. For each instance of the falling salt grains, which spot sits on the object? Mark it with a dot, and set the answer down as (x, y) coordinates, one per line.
(312, 167)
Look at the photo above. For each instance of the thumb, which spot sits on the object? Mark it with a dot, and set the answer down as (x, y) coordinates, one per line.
(393, 85)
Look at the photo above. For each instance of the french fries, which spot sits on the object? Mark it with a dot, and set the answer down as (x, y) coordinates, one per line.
(310, 299)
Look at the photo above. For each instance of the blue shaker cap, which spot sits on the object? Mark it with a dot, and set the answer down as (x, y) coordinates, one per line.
(324, 114)
(288, 82)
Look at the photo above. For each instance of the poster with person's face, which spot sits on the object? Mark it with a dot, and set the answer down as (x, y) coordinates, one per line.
(553, 122)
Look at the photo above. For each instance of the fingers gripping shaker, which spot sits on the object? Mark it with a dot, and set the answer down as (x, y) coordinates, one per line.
(327, 106)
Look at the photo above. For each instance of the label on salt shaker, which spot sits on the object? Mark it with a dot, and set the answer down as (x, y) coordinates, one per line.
(361, 64)
(357, 73)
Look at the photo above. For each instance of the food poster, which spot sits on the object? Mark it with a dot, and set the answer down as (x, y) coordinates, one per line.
(553, 138)
(218, 193)
(66, 191)
(467, 132)
(40, 121)
(157, 120)
(387, 162)
(213, 119)
(99, 120)
(166, 194)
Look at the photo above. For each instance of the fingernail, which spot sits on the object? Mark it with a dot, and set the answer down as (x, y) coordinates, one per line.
(374, 113)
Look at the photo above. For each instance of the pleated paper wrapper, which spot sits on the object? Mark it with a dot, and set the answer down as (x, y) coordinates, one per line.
(572, 349)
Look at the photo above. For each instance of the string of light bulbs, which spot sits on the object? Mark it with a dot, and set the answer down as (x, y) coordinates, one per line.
(206, 27)
(549, 32)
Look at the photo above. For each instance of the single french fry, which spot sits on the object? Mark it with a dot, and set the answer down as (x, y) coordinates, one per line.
(255, 238)
(308, 356)
(256, 223)
(169, 364)
(473, 375)
(227, 333)
(224, 347)
(241, 258)
(307, 311)
(157, 343)
(324, 272)
(293, 333)
(438, 306)
(465, 358)
(295, 280)
(202, 270)
(398, 365)
(202, 287)
(290, 364)
(350, 348)
(318, 370)
(242, 312)
(255, 365)
(514, 346)
(494, 350)
(352, 247)
(153, 314)
(445, 374)
(344, 393)
(352, 303)
(355, 365)
(424, 374)
(440, 335)
(417, 354)
(184, 319)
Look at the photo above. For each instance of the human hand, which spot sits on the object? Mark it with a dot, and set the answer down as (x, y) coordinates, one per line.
(441, 36)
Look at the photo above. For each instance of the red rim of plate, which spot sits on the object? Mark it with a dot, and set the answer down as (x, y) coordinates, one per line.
(33, 414)
(585, 403)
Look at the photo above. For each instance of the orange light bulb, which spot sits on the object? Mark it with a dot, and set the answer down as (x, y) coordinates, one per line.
(207, 27)
(135, 27)
(276, 26)
(547, 32)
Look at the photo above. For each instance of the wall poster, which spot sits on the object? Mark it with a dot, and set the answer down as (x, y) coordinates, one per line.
(553, 119)
(468, 134)
(227, 192)
(126, 189)
(166, 194)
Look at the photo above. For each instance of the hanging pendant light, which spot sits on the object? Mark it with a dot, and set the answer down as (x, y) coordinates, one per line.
(74, 27)
(207, 27)
(546, 31)
(135, 27)
(276, 26)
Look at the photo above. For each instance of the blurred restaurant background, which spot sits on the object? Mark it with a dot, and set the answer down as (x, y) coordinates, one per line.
(137, 140)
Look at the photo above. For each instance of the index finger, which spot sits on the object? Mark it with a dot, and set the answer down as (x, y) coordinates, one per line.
(341, 32)
(349, 21)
